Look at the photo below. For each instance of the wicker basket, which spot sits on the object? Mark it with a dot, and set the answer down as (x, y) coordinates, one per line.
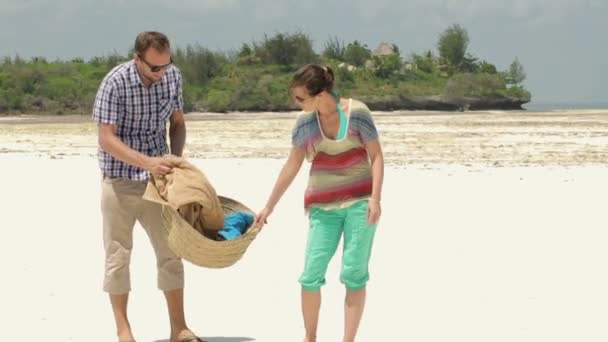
(196, 248)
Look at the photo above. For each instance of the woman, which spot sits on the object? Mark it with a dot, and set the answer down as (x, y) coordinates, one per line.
(339, 138)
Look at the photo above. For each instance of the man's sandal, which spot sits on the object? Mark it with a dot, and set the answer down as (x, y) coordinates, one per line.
(192, 339)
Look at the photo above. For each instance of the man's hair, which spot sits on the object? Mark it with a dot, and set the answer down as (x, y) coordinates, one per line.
(151, 39)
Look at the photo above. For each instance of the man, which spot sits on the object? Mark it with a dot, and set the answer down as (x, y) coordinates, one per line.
(133, 104)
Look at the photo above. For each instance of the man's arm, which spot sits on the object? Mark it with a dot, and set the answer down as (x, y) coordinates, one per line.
(177, 133)
(110, 143)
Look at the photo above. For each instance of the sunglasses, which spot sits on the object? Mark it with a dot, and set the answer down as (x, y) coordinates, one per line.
(156, 68)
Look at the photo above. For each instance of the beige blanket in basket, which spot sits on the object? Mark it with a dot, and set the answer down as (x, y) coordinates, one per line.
(188, 191)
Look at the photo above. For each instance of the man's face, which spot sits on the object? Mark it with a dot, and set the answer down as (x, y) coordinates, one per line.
(153, 63)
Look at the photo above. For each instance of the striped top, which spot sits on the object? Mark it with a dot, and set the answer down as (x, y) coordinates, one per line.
(340, 171)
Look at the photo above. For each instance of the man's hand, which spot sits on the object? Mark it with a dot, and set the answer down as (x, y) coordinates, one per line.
(159, 166)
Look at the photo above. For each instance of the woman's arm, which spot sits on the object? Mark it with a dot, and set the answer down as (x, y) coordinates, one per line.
(374, 150)
(285, 178)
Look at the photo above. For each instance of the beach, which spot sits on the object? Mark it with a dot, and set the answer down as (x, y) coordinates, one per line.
(494, 228)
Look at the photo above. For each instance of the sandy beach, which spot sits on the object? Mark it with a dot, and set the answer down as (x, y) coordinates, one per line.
(494, 228)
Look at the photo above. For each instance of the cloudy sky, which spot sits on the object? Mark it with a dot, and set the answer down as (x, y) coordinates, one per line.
(563, 44)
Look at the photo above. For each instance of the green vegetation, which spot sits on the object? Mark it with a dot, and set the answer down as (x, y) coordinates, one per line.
(255, 77)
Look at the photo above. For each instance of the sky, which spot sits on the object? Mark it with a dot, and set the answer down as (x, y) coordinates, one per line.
(562, 44)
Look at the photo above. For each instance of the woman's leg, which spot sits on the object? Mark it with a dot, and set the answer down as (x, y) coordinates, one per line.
(358, 241)
(323, 239)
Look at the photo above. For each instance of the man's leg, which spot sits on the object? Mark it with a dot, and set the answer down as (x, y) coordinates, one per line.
(119, 308)
(118, 214)
(170, 270)
(175, 306)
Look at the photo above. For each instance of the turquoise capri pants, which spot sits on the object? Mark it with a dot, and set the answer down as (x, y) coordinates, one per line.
(325, 232)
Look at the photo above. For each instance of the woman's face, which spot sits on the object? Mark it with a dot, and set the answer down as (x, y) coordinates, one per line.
(307, 102)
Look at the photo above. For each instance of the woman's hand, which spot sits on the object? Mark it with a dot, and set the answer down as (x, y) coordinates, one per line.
(373, 211)
(262, 218)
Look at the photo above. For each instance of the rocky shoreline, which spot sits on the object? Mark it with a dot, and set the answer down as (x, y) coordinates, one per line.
(442, 103)
(430, 103)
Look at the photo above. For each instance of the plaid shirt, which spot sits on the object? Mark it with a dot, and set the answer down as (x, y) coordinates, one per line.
(140, 113)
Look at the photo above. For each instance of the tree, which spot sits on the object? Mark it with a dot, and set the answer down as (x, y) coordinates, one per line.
(385, 66)
(286, 49)
(516, 74)
(425, 62)
(245, 51)
(304, 52)
(357, 54)
(334, 49)
(246, 55)
(469, 64)
(198, 64)
(279, 50)
(487, 68)
(452, 46)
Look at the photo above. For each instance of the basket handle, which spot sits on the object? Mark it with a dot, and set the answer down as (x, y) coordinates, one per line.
(255, 228)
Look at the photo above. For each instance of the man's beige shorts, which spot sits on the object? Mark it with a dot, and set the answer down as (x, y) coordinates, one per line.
(121, 206)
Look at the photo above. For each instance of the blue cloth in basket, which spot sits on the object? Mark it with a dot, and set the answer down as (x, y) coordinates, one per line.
(235, 225)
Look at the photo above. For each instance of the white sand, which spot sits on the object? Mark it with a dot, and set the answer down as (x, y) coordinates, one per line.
(498, 254)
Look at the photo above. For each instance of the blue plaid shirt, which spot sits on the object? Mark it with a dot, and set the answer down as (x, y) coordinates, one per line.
(140, 113)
